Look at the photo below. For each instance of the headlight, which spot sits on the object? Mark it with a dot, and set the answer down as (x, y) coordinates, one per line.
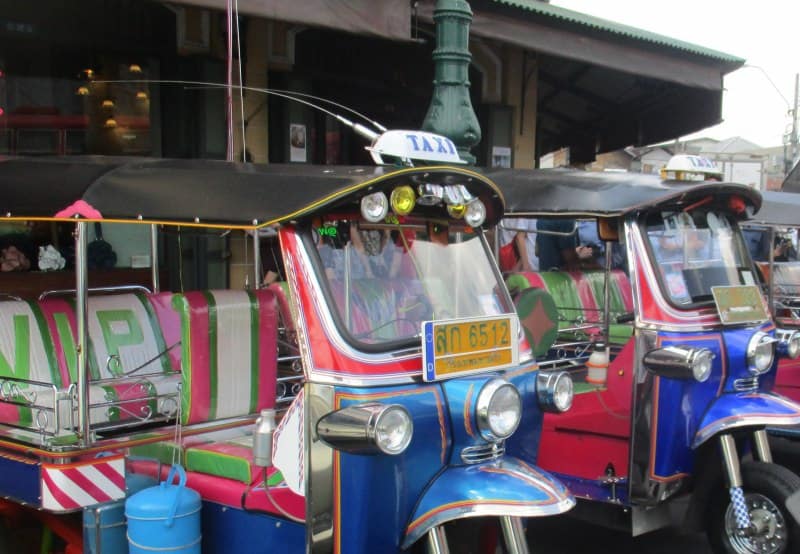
(789, 343)
(498, 410)
(680, 362)
(701, 364)
(374, 207)
(554, 391)
(367, 429)
(760, 353)
(475, 214)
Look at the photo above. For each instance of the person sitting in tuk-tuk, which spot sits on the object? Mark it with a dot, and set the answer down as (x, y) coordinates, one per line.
(557, 244)
(518, 245)
(589, 243)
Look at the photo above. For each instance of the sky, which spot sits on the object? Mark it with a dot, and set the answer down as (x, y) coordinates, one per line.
(757, 100)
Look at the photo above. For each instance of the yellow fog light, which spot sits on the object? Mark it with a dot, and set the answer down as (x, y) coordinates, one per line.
(403, 200)
(456, 211)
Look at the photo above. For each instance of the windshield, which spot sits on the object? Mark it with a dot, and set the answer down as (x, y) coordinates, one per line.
(386, 280)
(695, 251)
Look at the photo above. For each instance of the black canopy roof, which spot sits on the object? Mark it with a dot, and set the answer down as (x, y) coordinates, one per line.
(574, 193)
(205, 192)
(792, 181)
(779, 208)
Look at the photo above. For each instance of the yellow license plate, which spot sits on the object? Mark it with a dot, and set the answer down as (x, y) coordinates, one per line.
(457, 347)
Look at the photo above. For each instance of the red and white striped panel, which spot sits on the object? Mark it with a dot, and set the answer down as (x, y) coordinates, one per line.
(72, 486)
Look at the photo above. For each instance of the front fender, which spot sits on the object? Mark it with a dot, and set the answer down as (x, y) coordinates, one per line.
(756, 409)
(506, 487)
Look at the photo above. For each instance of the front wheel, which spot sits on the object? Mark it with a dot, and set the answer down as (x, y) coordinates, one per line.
(773, 530)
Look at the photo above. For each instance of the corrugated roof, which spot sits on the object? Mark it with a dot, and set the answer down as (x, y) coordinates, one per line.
(549, 10)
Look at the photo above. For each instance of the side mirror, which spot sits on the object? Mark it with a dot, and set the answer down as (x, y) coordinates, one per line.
(608, 229)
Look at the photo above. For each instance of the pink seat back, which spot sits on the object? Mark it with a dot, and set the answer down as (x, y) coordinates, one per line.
(228, 353)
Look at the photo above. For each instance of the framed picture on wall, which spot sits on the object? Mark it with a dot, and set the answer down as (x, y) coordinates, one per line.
(297, 143)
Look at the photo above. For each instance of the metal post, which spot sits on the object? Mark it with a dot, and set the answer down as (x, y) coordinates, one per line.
(761, 443)
(514, 535)
(346, 277)
(794, 121)
(451, 113)
(81, 310)
(730, 460)
(437, 541)
(607, 299)
(256, 260)
(154, 259)
(771, 276)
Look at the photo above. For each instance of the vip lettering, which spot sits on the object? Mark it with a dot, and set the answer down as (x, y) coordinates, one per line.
(327, 231)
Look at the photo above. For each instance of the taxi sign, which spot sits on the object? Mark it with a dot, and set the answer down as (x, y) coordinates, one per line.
(414, 145)
(456, 347)
(739, 304)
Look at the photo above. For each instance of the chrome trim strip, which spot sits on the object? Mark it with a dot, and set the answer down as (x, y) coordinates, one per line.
(746, 384)
(483, 452)
(319, 489)
(483, 510)
(738, 422)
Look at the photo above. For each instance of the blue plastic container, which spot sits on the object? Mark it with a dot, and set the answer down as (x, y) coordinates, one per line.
(165, 517)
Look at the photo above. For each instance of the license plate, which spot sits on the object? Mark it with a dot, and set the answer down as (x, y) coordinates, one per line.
(739, 304)
(461, 346)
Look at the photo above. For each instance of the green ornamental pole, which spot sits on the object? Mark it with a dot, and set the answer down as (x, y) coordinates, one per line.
(451, 113)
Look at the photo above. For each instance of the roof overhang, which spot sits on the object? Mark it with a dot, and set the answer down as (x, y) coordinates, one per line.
(602, 86)
(384, 18)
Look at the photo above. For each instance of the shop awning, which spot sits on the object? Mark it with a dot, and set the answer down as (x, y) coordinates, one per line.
(384, 18)
(602, 85)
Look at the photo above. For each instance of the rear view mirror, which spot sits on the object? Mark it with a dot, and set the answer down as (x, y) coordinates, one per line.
(608, 229)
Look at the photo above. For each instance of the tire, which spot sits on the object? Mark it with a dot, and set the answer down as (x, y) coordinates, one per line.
(766, 488)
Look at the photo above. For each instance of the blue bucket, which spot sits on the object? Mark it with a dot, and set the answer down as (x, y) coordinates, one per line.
(165, 517)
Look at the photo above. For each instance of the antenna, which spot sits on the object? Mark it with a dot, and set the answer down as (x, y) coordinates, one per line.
(402, 145)
(362, 130)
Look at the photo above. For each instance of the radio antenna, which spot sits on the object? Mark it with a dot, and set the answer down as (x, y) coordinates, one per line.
(404, 146)
(360, 129)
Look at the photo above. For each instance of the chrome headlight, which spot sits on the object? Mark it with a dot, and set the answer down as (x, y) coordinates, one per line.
(368, 429)
(554, 390)
(789, 343)
(680, 362)
(475, 214)
(374, 207)
(760, 353)
(498, 410)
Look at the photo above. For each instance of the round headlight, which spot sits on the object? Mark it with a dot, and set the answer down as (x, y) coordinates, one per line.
(498, 409)
(374, 207)
(403, 200)
(760, 353)
(475, 214)
(430, 195)
(554, 390)
(393, 429)
(793, 347)
(701, 364)
(788, 343)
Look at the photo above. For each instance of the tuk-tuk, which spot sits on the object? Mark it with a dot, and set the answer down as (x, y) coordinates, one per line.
(358, 404)
(771, 236)
(672, 352)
